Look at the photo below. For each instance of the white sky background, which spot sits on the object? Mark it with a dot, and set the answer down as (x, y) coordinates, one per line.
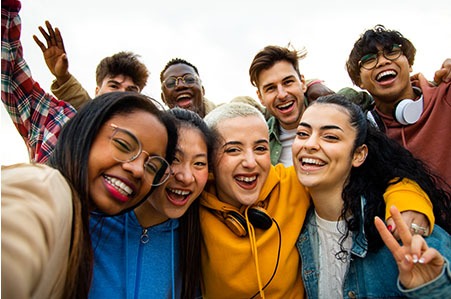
(221, 39)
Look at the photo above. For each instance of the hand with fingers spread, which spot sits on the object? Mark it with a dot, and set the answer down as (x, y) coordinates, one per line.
(417, 222)
(54, 53)
(417, 263)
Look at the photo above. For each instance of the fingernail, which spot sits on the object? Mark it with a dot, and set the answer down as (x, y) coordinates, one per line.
(390, 228)
(421, 260)
(415, 258)
(407, 258)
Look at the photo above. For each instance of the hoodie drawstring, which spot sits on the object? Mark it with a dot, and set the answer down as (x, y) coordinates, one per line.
(253, 243)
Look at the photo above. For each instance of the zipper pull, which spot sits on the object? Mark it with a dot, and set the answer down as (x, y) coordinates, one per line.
(144, 236)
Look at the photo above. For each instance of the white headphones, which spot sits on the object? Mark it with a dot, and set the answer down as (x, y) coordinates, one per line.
(408, 111)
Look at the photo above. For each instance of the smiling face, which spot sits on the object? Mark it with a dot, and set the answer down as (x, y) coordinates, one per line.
(242, 161)
(113, 185)
(187, 96)
(281, 91)
(190, 168)
(388, 82)
(323, 149)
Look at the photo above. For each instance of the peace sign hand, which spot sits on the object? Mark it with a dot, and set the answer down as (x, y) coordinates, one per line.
(417, 263)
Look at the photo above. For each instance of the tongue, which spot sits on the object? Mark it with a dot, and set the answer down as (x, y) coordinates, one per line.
(184, 102)
(177, 197)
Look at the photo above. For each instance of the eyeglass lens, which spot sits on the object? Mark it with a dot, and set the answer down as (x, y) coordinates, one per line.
(369, 61)
(125, 147)
(187, 79)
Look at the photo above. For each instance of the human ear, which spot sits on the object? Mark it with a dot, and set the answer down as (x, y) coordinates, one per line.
(359, 155)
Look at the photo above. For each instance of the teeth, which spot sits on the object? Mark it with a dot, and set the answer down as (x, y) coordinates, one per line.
(183, 96)
(285, 105)
(119, 185)
(179, 192)
(312, 161)
(386, 73)
(247, 179)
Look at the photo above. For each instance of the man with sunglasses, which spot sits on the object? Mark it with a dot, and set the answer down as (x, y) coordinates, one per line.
(182, 87)
(413, 112)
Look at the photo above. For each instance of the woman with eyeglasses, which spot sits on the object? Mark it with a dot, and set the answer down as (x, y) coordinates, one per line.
(107, 159)
(153, 251)
(348, 167)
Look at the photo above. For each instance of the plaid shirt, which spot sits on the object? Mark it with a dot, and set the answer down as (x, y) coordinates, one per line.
(37, 115)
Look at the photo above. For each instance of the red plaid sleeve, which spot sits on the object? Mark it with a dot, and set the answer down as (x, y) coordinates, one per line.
(37, 115)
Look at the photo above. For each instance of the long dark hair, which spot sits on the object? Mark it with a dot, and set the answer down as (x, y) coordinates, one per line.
(71, 159)
(190, 233)
(387, 160)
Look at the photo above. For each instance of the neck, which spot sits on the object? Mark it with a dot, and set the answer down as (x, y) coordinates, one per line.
(328, 203)
(386, 103)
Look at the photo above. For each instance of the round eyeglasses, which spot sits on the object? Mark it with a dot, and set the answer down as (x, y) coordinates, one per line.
(370, 60)
(126, 147)
(188, 80)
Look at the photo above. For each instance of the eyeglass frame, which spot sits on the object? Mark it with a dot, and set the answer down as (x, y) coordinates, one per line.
(176, 83)
(165, 164)
(384, 53)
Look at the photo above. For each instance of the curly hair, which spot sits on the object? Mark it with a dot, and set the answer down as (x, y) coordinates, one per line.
(369, 42)
(387, 163)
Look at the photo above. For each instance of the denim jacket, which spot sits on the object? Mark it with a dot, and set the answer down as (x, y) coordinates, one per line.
(372, 274)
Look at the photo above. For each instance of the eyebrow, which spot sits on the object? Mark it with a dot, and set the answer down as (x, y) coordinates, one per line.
(326, 127)
(272, 83)
(240, 143)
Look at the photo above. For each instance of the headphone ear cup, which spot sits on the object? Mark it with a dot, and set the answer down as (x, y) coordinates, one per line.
(259, 217)
(236, 223)
(408, 112)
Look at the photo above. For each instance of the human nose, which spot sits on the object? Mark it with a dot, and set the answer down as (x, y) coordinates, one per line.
(136, 167)
(311, 143)
(183, 174)
(249, 160)
(281, 92)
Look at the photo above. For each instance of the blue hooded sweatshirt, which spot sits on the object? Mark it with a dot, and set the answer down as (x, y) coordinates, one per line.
(134, 262)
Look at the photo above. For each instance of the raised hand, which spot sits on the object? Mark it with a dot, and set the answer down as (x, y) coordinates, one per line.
(409, 217)
(54, 53)
(417, 263)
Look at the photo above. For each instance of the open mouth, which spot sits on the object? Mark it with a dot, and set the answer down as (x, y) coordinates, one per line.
(286, 106)
(178, 196)
(246, 182)
(386, 76)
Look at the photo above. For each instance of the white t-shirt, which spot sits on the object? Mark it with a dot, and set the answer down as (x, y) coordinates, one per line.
(286, 138)
(331, 270)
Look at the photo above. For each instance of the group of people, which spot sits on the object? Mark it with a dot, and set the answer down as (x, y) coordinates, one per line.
(307, 196)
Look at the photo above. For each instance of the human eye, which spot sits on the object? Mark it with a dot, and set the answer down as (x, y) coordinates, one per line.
(133, 88)
(122, 145)
(151, 167)
(368, 59)
(288, 82)
(189, 79)
(261, 149)
(170, 82)
(302, 134)
(200, 164)
(231, 150)
(269, 89)
(331, 137)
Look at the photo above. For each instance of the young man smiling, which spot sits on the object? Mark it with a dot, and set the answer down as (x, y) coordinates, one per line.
(281, 89)
(380, 62)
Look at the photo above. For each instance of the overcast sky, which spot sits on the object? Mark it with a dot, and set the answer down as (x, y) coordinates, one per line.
(221, 38)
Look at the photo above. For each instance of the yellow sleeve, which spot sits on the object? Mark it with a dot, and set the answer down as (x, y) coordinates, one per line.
(407, 195)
